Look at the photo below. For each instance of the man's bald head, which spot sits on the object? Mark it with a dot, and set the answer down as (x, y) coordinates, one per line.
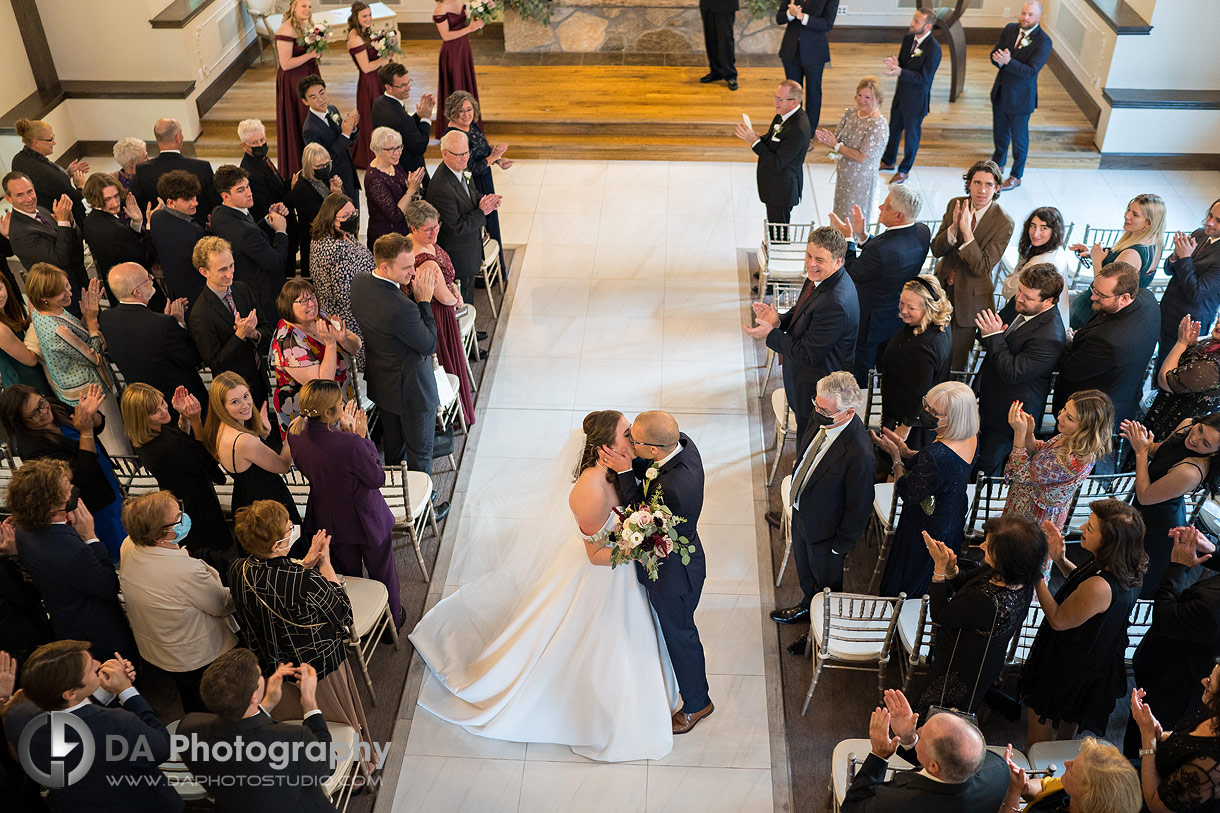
(168, 133)
(455, 150)
(952, 749)
(125, 278)
(655, 434)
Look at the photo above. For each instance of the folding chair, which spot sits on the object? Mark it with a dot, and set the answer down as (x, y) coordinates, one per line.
(990, 495)
(847, 630)
(370, 618)
(915, 635)
(492, 269)
(409, 495)
(785, 425)
(1138, 624)
(785, 525)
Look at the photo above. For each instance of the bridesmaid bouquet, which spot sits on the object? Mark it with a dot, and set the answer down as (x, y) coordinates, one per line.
(647, 533)
(485, 10)
(385, 41)
(317, 39)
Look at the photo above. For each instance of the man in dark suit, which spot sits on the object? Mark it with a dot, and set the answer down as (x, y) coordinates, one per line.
(399, 340)
(1023, 343)
(234, 689)
(42, 236)
(1194, 284)
(260, 248)
(781, 153)
(323, 125)
(148, 346)
(969, 244)
(886, 263)
(805, 51)
(817, 336)
(958, 772)
(718, 37)
(915, 66)
(129, 740)
(463, 210)
(835, 464)
(174, 232)
(1111, 352)
(266, 185)
(224, 320)
(110, 240)
(390, 110)
(1020, 53)
(168, 134)
(675, 594)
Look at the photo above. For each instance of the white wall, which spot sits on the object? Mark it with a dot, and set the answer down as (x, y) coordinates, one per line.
(1181, 51)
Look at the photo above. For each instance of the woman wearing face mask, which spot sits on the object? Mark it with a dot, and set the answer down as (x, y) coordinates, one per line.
(177, 606)
(916, 358)
(1041, 241)
(309, 188)
(295, 612)
(931, 485)
(336, 257)
(1188, 382)
(1165, 473)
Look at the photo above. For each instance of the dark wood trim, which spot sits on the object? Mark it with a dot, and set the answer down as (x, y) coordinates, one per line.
(178, 13)
(37, 49)
(212, 93)
(1120, 16)
(895, 33)
(87, 89)
(1177, 160)
(427, 31)
(1080, 95)
(1141, 99)
(35, 106)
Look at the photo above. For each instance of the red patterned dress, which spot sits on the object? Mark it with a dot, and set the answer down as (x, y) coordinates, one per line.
(1041, 487)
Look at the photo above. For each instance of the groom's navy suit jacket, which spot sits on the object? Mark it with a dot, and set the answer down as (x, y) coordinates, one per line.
(681, 480)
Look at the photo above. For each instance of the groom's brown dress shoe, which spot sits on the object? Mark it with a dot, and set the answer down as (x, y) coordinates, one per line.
(684, 722)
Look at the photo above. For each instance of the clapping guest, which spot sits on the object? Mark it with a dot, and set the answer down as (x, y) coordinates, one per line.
(294, 62)
(174, 233)
(1041, 242)
(267, 186)
(916, 358)
(977, 610)
(391, 111)
(1140, 246)
(1194, 280)
(324, 125)
(1075, 670)
(42, 235)
(388, 187)
(113, 240)
(859, 140)
(1044, 475)
(932, 485)
(330, 447)
(308, 345)
(464, 210)
(1165, 473)
(170, 140)
(1188, 379)
(1099, 779)
(1180, 769)
(260, 248)
(129, 153)
(310, 187)
(177, 606)
(18, 364)
(463, 114)
(51, 180)
(368, 82)
(338, 258)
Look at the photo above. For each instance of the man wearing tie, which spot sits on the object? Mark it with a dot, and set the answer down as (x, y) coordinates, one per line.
(781, 153)
(323, 125)
(260, 248)
(463, 210)
(915, 66)
(42, 236)
(1194, 284)
(804, 49)
(834, 467)
(1021, 52)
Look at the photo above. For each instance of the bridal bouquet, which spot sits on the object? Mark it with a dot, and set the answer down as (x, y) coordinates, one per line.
(485, 10)
(317, 38)
(385, 41)
(648, 532)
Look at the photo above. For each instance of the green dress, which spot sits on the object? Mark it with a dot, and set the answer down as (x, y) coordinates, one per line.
(13, 372)
(1082, 303)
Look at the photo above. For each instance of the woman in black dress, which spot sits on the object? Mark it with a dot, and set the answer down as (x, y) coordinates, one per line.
(916, 358)
(310, 187)
(977, 610)
(1075, 668)
(1188, 382)
(1180, 769)
(179, 461)
(1165, 473)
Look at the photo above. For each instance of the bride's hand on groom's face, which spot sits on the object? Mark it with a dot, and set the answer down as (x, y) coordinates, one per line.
(613, 459)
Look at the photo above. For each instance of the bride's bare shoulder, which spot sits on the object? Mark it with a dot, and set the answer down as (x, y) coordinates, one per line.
(591, 497)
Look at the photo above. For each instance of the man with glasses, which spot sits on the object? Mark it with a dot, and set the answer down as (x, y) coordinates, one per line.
(150, 347)
(390, 110)
(781, 153)
(323, 125)
(1111, 352)
(463, 209)
(260, 247)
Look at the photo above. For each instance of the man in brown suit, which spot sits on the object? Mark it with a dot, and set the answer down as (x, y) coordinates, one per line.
(972, 237)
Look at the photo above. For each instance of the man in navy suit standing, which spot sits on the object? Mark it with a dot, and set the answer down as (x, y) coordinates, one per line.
(675, 594)
(805, 49)
(1021, 52)
(718, 39)
(915, 66)
(323, 125)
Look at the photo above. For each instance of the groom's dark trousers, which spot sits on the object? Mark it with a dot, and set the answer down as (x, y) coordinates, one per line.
(675, 593)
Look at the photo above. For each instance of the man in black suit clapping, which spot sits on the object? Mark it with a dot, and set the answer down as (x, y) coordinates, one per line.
(805, 49)
(463, 210)
(781, 153)
(915, 66)
(260, 248)
(718, 36)
(323, 125)
(267, 186)
(42, 236)
(168, 133)
(390, 110)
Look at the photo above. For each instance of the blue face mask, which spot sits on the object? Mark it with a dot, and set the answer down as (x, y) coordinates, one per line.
(181, 528)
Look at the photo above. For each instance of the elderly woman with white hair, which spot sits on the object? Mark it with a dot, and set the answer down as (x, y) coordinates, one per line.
(128, 154)
(931, 485)
(310, 186)
(388, 187)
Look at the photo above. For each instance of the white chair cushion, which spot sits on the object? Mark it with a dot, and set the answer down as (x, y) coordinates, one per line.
(847, 650)
(839, 762)
(369, 599)
(908, 625)
(1042, 754)
(883, 498)
(779, 403)
(785, 489)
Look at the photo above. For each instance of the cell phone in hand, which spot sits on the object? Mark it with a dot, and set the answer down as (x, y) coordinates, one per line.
(746, 120)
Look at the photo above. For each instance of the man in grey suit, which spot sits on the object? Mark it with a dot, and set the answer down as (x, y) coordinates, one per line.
(463, 210)
(399, 340)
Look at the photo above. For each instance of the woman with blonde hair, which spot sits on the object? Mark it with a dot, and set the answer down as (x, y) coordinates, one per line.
(241, 440)
(50, 180)
(1099, 779)
(931, 484)
(1045, 474)
(309, 189)
(295, 63)
(345, 476)
(1140, 247)
(858, 144)
(916, 358)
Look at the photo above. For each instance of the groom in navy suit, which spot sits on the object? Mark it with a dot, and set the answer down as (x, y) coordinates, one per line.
(1019, 55)
(675, 593)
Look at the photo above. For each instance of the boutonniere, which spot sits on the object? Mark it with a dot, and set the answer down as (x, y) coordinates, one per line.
(917, 52)
(652, 472)
(466, 174)
(335, 118)
(1024, 43)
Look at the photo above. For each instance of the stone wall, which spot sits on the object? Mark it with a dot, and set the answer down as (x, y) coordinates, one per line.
(610, 26)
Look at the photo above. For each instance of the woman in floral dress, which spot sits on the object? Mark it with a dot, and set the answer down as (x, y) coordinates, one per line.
(860, 140)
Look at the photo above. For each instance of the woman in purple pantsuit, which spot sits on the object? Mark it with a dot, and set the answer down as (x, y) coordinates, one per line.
(345, 475)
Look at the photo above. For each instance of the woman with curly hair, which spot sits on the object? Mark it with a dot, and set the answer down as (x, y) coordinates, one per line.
(916, 358)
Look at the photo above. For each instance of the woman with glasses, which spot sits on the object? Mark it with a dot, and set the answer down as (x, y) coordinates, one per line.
(338, 256)
(931, 484)
(387, 186)
(425, 225)
(310, 187)
(308, 345)
(1140, 246)
(177, 606)
(1165, 473)
(462, 111)
(49, 178)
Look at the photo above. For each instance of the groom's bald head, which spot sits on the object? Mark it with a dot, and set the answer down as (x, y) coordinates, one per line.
(655, 433)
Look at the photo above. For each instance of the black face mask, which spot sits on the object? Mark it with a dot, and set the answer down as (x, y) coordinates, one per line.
(822, 420)
(322, 175)
(73, 500)
(351, 225)
(260, 151)
(927, 420)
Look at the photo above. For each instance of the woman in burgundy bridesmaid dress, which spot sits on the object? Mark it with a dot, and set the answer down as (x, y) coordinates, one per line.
(369, 85)
(456, 70)
(295, 64)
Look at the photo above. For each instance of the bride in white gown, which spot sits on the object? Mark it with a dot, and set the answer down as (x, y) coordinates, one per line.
(545, 643)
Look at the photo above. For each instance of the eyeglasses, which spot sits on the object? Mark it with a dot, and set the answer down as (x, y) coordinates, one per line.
(43, 403)
(433, 229)
(394, 149)
(1093, 290)
(457, 154)
(50, 140)
(177, 519)
(305, 299)
(823, 412)
(781, 99)
(402, 86)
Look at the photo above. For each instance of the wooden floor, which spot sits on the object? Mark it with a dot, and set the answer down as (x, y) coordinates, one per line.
(662, 112)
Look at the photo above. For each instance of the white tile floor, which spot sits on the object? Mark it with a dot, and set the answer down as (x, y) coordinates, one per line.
(638, 265)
